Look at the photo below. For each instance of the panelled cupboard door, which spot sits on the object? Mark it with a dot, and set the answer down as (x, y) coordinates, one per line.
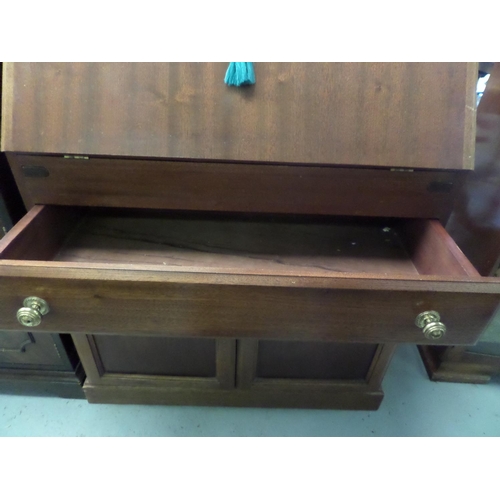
(408, 115)
(337, 279)
(229, 372)
(157, 363)
(312, 374)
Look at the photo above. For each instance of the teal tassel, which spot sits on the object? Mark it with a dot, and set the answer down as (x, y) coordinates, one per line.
(240, 73)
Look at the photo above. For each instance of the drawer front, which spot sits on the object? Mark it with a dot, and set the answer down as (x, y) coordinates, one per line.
(32, 350)
(262, 311)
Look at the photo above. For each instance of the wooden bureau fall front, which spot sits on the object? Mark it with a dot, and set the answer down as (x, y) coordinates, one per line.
(265, 246)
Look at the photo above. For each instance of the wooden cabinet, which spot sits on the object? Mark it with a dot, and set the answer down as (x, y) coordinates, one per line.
(263, 246)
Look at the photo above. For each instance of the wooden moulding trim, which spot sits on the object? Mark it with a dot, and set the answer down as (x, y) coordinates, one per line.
(470, 116)
(91, 365)
(160, 381)
(225, 362)
(7, 104)
(42, 375)
(380, 364)
(247, 351)
(305, 385)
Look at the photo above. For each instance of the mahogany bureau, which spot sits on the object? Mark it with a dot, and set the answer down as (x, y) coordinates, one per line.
(266, 245)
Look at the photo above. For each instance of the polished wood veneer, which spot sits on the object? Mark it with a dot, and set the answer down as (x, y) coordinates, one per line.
(413, 115)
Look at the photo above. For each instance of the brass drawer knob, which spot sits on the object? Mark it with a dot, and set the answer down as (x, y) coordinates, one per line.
(431, 326)
(31, 314)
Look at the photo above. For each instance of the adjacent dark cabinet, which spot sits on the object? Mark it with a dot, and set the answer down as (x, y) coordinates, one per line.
(39, 364)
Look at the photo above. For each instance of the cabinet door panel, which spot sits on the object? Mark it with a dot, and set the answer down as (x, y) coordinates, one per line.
(157, 356)
(314, 360)
(313, 374)
(162, 365)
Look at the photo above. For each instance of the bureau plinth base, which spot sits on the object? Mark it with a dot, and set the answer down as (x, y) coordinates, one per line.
(358, 400)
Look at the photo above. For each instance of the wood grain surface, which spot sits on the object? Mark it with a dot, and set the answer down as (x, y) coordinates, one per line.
(265, 245)
(39, 234)
(432, 250)
(139, 307)
(245, 188)
(416, 115)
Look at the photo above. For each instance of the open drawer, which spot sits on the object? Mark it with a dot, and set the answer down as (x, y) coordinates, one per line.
(114, 271)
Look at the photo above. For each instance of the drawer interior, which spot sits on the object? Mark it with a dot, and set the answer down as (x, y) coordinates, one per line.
(267, 245)
(229, 243)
